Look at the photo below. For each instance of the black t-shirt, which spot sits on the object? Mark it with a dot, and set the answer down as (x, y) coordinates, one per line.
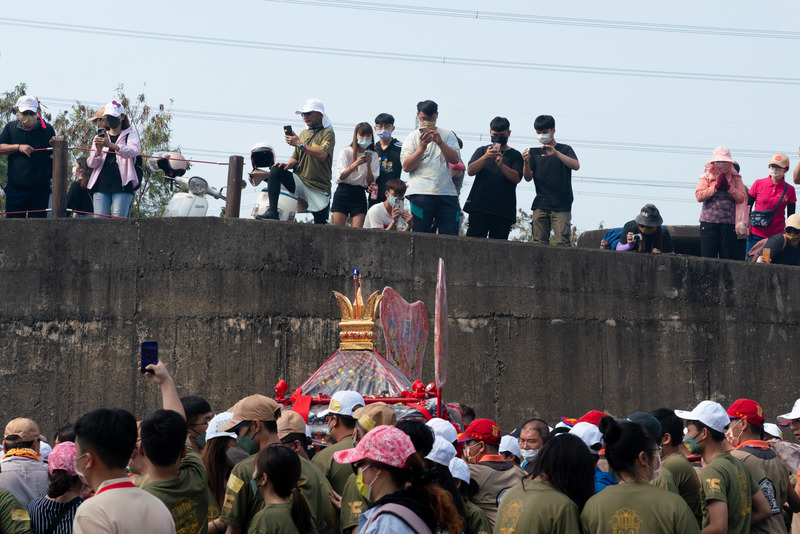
(391, 166)
(492, 193)
(110, 180)
(553, 179)
(659, 239)
(29, 172)
(780, 254)
(79, 198)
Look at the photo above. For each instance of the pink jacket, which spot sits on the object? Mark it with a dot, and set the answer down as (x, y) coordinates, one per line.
(707, 186)
(129, 148)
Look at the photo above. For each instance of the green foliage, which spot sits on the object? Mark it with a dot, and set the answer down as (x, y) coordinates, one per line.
(525, 229)
(154, 126)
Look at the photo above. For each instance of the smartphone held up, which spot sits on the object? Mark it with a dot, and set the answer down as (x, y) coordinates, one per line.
(149, 354)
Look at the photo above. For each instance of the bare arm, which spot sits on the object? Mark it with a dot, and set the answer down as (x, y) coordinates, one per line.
(761, 509)
(412, 161)
(717, 518)
(169, 393)
(793, 500)
(450, 155)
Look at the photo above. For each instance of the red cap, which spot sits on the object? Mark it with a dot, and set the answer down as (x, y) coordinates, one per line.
(593, 417)
(481, 430)
(747, 409)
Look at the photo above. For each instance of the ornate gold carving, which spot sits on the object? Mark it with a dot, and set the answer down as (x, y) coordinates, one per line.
(359, 327)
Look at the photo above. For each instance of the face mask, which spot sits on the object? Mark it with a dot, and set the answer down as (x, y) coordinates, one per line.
(657, 470)
(471, 459)
(113, 122)
(502, 139)
(247, 444)
(316, 123)
(719, 164)
(692, 444)
(777, 173)
(730, 437)
(384, 134)
(364, 489)
(201, 440)
(364, 143)
(28, 121)
(645, 230)
(529, 454)
(392, 200)
(544, 138)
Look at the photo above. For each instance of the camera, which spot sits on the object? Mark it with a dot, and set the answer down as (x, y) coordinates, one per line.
(637, 238)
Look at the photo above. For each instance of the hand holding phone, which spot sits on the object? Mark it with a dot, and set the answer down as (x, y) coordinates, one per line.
(101, 132)
(149, 355)
(287, 130)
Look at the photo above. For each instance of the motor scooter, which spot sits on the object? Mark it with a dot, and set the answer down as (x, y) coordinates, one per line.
(191, 200)
(262, 157)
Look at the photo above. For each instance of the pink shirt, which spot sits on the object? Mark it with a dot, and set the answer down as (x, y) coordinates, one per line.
(129, 148)
(767, 195)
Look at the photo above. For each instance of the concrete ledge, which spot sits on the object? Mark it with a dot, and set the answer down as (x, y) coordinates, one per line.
(238, 304)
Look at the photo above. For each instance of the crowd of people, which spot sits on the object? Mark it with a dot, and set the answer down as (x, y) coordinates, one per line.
(254, 469)
(372, 192)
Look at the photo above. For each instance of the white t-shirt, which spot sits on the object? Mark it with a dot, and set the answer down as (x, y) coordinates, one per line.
(432, 176)
(359, 176)
(378, 217)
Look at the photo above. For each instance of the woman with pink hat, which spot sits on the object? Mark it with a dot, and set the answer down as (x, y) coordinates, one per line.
(404, 494)
(720, 189)
(772, 199)
(53, 511)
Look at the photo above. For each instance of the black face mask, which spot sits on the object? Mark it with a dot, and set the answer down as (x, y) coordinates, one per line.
(502, 139)
(113, 122)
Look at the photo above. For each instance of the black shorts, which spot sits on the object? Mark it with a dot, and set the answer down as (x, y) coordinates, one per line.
(350, 200)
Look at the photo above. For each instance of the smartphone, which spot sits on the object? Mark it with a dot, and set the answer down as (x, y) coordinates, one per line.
(537, 151)
(287, 130)
(101, 132)
(149, 354)
(496, 146)
(369, 153)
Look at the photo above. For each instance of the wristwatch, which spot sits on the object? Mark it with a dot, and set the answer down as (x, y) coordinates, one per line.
(301, 146)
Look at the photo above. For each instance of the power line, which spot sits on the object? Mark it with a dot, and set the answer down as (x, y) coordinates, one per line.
(541, 19)
(415, 58)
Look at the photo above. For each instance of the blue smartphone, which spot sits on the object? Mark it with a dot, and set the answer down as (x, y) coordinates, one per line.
(149, 354)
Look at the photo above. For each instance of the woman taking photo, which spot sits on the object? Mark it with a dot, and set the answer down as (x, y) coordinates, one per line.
(720, 189)
(635, 459)
(113, 164)
(772, 200)
(645, 233)
(405, 496)
(550, 500)
(357, 170)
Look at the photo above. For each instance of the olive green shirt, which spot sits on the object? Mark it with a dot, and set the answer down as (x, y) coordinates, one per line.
(678, 476)
(14, 517)
(637, 507)
(313, 172)
(727, 479)
(353, 504)
(534, 507)
(273, 519)
(336, 473)
(186, 497)
(243, 501)
(477, 522)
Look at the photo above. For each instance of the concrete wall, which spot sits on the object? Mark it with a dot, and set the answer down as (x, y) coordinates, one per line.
(238, 304)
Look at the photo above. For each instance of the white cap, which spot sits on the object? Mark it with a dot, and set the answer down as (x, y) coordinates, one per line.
(459, 469)
(114, 109)
(510, 444)
(27, 103)
(590, 435)
(215, 422)
(443, 429)
(343, 403)
(710, 413)
(44, 450)
(312, 104)
(773, 430)
(791, 416)
(442, 452)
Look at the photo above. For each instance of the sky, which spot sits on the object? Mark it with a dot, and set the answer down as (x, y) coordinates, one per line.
(643, 92)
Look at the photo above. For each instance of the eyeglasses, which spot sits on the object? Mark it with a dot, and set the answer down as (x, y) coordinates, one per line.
(75, 461)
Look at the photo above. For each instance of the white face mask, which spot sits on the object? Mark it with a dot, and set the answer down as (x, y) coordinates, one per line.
(544, 138)
(529, 454)
(657, 470)
(364, 143)
(777, 173)
(719, 164)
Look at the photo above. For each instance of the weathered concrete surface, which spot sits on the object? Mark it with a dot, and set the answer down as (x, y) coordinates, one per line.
(238, 304)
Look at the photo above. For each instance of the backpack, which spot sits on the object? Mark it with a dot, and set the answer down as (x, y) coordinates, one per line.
(758, 249)
(613, 236)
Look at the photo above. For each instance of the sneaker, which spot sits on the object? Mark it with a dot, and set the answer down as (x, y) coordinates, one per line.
(271, 215)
